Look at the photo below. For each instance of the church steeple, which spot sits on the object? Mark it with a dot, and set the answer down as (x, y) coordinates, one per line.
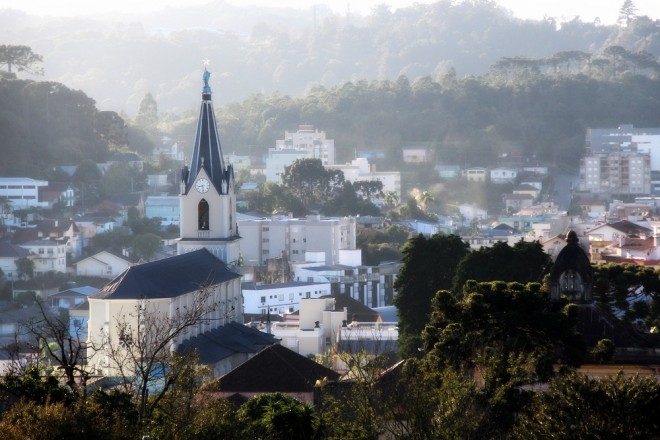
(207, 151)
(207, 201)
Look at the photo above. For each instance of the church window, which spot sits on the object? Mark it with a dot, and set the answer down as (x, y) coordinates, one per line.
(203, 215)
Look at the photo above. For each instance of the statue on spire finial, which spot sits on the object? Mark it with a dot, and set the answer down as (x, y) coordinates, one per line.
(206, 76)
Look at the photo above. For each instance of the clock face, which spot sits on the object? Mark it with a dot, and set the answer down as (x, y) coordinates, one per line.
(202, 185)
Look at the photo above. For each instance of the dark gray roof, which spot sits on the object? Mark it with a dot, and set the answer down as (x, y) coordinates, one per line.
(12, 251)
(169, 277)
(220, 343)
(276, 369)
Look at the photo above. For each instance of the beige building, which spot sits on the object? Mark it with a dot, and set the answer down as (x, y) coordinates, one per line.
(267, 238)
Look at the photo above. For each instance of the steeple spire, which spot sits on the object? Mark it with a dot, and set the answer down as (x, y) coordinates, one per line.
(207, 151)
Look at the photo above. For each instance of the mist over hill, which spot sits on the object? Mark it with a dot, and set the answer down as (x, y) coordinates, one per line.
(116, 60)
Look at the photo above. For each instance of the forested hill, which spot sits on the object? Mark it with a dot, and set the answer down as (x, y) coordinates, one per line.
(467, 121)
(117, 60)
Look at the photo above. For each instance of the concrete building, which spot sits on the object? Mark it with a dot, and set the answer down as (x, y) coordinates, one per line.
(618, 172)
(306, 143)
(22, 192)
(274, 237)
(280, 298)
(360, 170)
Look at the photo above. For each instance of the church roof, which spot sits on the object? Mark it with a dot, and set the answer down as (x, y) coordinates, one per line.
(207, 151)
(169, 277)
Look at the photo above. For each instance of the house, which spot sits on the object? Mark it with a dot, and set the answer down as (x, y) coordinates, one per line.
(525, 188)
(275, 369)
(57, 193)
(476, 174)
(166, 208)
(48, 255)
(503, 175)
(103, 264)
(448, 171)
(9, 253)
(415, 154)
(515, 202)
(69, 298)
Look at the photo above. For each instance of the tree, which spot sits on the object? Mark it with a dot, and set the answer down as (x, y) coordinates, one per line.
(627, 13)
(576, 406)
(368, 189)
(146, 245)
(21, 58)
(25, 268)
(428, 266)
(67, 350)
(147, 117)
(278, 416)
(503, 335)
(142, 350)
(271, 198)
(311, 182)
(87, 180)
(523, 262)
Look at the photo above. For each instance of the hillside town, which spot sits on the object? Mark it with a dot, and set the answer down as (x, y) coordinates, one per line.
(166, 279)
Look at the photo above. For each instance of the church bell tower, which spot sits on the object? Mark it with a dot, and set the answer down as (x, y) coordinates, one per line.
(207, 201)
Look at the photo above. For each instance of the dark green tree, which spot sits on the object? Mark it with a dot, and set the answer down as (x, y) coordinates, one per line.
(579, 407)
(278, 416)
(271, 198)
(429, 264)
(146, 245)
(523, 262)
(308, 180)
(87, 180)
(504, 336)
(25, 268)
(20, 58)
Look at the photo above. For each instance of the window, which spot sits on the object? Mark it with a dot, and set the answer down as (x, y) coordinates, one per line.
(263, 299)
(203, 215)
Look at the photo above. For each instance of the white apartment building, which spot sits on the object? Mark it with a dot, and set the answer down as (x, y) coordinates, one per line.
(22, 192)
(267, 238)
(625, 137)
(360, 170)
(617, 172)
(306, 143)
(48, 255)
(280, 298)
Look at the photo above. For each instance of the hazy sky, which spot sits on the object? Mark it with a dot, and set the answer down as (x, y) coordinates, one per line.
(588, 10)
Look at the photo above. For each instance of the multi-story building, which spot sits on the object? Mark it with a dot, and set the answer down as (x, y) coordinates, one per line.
(49, 255)
(625, 137)
(306, 143)
(360, 170)
(267, 238)
(22, 192)
(622, 171)
(280, 298)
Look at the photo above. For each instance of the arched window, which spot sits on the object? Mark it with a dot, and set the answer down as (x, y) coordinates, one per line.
(203, 215)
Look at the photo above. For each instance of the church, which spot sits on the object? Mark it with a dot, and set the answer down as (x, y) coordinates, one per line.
(201, 278)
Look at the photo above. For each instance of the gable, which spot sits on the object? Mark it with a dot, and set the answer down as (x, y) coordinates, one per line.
(276, 368)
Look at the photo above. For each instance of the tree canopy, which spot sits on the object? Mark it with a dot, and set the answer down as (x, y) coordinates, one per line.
(428, 266)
